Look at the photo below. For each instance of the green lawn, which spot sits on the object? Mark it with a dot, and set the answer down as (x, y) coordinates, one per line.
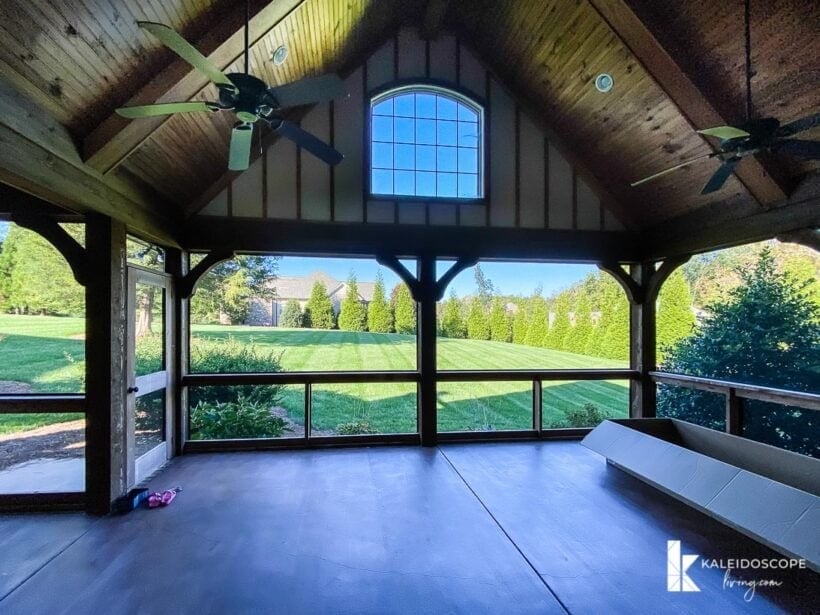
(47, 354)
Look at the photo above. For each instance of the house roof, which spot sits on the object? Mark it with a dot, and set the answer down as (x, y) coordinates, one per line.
(300, 287)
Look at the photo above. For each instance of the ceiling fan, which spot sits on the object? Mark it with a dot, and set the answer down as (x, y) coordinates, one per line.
(248, 97)
(754, 136)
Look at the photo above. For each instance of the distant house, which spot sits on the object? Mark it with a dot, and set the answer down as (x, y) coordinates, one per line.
(267, 312)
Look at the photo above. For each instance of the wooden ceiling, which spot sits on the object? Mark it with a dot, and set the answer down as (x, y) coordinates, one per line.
(677, 65)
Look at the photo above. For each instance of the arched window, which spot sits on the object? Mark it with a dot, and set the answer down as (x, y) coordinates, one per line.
(426, 141)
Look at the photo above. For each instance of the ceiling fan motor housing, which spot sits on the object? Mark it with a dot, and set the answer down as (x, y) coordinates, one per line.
(249, 100)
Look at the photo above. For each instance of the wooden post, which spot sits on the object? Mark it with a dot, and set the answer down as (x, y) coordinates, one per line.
(642, 352)
(426, 302)
(176, 264)
(106, 369)
(734, 418)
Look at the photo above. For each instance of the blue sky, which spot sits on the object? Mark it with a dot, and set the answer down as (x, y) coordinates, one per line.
(4, 229)
(508, 278)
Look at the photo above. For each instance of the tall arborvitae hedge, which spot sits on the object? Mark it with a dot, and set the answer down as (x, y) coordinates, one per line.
(500, 323)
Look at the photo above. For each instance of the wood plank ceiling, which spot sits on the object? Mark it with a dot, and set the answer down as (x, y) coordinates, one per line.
(80, 59)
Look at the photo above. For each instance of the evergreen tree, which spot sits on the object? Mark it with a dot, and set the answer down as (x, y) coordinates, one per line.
(478, 326)
(578, 337)
(292, 315)
(675, 319)
(520, 325)
(500, 324)
(538, 321)
(379, 316)
(353, 314)
(560, 323)
(404, 309)
(766, 332)
(484, 287)
(225, 290)
(615, 339)
(452, 321)
(319, 309)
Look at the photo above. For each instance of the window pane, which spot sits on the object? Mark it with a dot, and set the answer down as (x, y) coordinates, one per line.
(467, 134)
(703, 408)
(467, 186)
(382, 128)
(426, 132)
(405, 130)
(446, 109)
(467, 115)
(405, 105)
(446, 159)
(405, 156)
(467, 160)
(790, 427)
(583, 404)
(382, 156)
(446, 184)
(426, 105)
(405, 183)
(484, 406)
(447, 133)
(365, 408)
(381, 182)
(384, 108)
(149, 421)
(426, 184)
(42, 453)
(425, 158)
(149, 342)
(248, 411)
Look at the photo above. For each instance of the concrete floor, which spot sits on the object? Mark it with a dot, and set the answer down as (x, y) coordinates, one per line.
(479, 528)
(44, 476)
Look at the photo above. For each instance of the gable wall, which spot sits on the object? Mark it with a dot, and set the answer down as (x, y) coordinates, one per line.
(529, 183)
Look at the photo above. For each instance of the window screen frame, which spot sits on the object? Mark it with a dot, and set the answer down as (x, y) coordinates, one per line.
(460, 95)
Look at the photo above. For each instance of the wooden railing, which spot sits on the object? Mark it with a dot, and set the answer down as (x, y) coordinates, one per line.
(735, 391)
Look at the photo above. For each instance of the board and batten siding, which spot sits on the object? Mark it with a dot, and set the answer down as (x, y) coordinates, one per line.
(528, 184)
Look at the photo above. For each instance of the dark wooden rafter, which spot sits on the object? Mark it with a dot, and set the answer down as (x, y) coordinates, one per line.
(432, 21)
(115, 138)
(74, 254)
(700, 232)
(761, 180)
(187, 284)
(809, 237)
(38, 156)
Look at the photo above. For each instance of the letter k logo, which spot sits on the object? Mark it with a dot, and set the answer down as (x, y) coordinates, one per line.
(676, 567)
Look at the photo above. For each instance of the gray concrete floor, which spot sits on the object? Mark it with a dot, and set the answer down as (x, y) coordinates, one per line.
(479, 528)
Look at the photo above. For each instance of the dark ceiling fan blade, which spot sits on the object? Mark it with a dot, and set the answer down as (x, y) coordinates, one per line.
(674, 168)
(804, 123)
(724, 133)
(308, 91)
(810, 150)
(163, 109)
(241, 140)
(307, 141)
(171, 39)
(721, 175)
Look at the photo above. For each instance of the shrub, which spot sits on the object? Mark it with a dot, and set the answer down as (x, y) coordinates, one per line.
(236, 419)
(149, 354)
(588, 416)
(355, 428)
(292, 315)
(230, 356)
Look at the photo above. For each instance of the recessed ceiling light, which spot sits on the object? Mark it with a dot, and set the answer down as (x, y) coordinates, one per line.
(280, 55)
(604, 82)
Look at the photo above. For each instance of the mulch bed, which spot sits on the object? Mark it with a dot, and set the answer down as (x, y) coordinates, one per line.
(56, 441)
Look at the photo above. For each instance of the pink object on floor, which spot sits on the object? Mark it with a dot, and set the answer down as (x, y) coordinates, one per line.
(164, 498)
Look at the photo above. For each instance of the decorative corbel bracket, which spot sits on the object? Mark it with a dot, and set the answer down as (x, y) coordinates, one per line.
(74, 254)
(187, 284)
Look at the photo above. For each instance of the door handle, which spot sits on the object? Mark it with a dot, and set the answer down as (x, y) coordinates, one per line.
(133, 390)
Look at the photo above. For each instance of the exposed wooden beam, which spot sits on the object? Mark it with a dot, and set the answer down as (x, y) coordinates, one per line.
(38, 156)
(762, 181)
(809, 237)
(701, 232)
(224, 43)
(433, 19)
(251, 235)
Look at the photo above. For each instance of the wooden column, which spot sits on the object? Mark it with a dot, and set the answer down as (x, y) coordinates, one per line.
(426, 301)
(642, 343)
(106, 369)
